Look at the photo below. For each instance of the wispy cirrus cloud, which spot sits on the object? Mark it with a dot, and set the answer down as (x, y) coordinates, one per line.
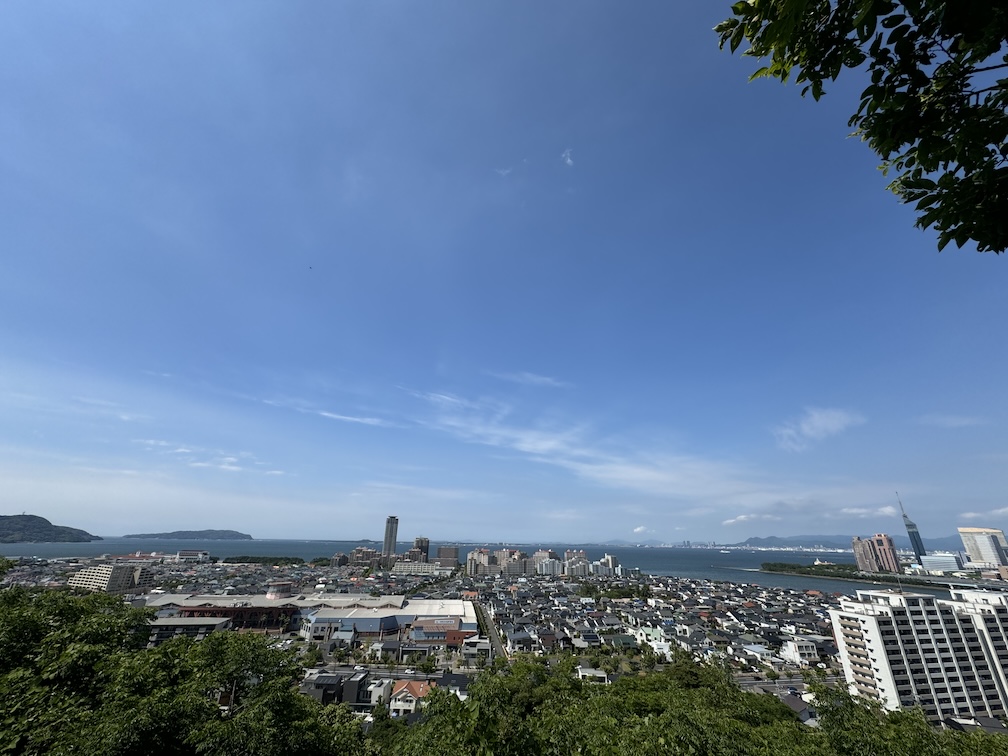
(567, 157)
(573, 447)
(490, 422)
(198, 457)
(228, 464)
(399, 493)
(951, 421)
(375, 421)
(815, 424)
(690, 484)
(306, 408)
(82, 406)
(153, 442)
(446, 400)
(530, 379)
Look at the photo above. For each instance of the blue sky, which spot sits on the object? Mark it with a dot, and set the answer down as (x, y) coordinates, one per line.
(511, 271)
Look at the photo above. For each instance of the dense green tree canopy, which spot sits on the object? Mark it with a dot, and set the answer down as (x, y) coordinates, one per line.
(935, 105)
(76, 677)
(532, 708)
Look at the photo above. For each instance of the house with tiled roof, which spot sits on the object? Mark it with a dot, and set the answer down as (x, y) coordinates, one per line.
(407, 696)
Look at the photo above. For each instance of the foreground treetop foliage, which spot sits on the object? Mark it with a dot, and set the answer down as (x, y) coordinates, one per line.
(935, 107)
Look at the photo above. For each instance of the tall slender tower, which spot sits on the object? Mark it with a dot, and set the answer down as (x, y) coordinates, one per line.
(911, 528)
(391, 530)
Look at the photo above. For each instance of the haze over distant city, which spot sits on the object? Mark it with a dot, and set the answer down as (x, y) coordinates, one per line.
(512, 271)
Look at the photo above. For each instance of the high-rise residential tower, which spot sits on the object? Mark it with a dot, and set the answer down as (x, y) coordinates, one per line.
(915, 538)
(876, 554)
(913, 649)
(391, 531)
(448, 556)
(985, 545)
(423, 546)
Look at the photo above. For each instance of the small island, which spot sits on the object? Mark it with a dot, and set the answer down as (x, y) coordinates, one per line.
(26, 528)
(195, 535)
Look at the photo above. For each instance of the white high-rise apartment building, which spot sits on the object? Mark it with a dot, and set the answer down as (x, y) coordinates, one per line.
(913, 649)
(985, 545)
(113, 578)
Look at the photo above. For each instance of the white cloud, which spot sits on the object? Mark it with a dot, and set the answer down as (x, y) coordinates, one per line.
(990, 514)
(951, 421)
(568, 157)
(503, 171)
(815, 424)
(531, 379)
(886, 511)
(749, 518)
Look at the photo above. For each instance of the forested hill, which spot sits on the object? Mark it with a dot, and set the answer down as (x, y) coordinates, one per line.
(26, 528)
(196, 535)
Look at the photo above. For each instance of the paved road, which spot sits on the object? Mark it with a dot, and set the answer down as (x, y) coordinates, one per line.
(495, 639)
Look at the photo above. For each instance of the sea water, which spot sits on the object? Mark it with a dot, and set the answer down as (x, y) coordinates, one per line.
(736, 566)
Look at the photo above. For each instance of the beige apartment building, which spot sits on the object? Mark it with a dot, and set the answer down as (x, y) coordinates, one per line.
(985, 545)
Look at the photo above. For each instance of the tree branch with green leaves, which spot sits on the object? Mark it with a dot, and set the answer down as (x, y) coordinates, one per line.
(934, 108)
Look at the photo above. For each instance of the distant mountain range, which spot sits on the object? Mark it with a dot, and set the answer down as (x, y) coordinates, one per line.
(948, 543)
(195, 535)
(624, 542)
(26, 528)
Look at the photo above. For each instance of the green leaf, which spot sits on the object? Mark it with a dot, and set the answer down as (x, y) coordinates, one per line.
(736, 38)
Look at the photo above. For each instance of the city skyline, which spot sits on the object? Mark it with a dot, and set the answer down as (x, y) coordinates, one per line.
(509, 270)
